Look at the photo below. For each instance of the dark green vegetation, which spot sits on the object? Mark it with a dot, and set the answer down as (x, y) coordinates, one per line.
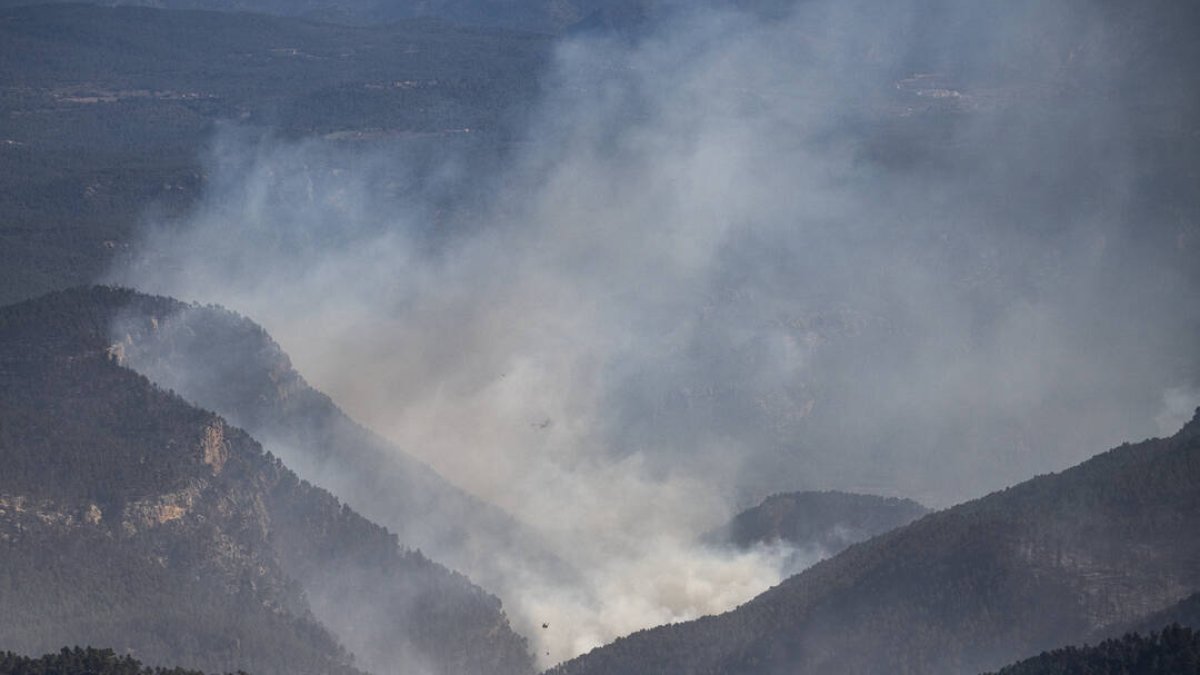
(229, 364)
(1046, 563)
(1173, 651)
(130, 519)
(104, 112)
(79, 661)
(830, 521)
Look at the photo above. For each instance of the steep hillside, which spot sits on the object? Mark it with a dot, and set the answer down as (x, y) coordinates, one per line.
(970, 588)
(129, 518)
(227, 363)
(829, 521)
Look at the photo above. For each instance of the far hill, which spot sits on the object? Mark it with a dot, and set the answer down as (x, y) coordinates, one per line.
(972, 588)
(829, 521)
(134, 520)
(108, 111)
(542, 16)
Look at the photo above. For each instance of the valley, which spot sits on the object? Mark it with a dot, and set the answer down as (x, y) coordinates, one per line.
(563, 336)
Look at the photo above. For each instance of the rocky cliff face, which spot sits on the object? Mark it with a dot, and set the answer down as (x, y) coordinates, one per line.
(229, 364)
(131, 519)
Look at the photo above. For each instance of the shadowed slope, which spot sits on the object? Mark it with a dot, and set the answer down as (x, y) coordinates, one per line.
(1032, 567)
(131, 519)
(229, 364)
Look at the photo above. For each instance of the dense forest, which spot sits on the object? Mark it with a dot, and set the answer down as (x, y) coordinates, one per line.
(79, 661)
(131, 519)
(1173, 651)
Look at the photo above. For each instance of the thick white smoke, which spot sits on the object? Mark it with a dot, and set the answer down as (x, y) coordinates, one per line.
(734, 255)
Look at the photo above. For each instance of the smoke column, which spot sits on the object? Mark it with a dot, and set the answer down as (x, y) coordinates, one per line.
(893, 247)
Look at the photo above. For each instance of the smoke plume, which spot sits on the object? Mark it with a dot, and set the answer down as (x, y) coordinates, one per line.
(905, 248)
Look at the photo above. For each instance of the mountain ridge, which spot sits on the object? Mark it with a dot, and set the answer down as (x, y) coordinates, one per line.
(827, 519)
(1034, 566)
(228, 363)
(133, 519)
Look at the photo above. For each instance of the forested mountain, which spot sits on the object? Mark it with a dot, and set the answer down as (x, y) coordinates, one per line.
(107, 111)
(829, 520)
(227, 363)
(131, 519)
(1039, 565)
(1173, 651)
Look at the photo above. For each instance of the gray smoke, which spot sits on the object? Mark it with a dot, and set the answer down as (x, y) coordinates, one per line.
(905, 248)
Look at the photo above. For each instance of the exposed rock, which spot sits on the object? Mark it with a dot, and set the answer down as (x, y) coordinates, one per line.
(214, 447)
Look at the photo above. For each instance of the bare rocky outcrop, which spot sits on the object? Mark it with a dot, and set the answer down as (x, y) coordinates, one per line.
(215, 449)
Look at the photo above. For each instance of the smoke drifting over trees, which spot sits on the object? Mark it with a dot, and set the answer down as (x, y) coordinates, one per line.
(922, 248)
